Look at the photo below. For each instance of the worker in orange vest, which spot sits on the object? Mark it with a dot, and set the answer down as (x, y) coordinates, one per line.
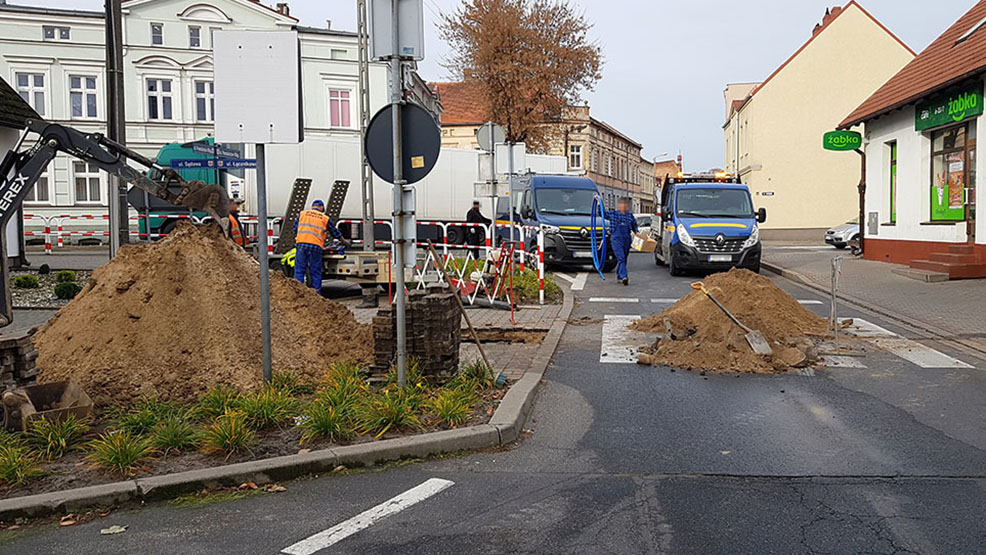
(236, 231)
(310, 232)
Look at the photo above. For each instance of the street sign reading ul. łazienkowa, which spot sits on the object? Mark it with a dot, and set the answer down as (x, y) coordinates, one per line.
(955, 106)
(842, 140)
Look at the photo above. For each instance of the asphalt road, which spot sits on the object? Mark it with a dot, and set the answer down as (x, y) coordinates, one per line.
(623, 458)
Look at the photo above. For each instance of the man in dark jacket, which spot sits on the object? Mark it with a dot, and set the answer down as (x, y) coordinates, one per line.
(475, 235)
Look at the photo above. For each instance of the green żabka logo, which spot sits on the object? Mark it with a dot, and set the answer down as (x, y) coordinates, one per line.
(842, 140)
(958, 107)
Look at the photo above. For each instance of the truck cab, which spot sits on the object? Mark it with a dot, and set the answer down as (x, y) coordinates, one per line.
(561, 206)
(707, 223)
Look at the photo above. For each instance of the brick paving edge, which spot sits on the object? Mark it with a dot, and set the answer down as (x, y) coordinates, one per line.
(504, 427)
(861, 304)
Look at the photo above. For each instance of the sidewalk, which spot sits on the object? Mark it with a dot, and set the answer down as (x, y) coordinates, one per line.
(954, 309)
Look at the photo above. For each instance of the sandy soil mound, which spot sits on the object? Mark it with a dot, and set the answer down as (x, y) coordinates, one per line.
(708, 340)
(174, 318)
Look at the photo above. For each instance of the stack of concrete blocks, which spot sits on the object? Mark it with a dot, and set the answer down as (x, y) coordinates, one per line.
(17, 361)
(434, 333)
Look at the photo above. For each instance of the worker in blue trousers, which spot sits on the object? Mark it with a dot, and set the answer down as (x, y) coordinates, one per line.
(622, 226)
(310, 233)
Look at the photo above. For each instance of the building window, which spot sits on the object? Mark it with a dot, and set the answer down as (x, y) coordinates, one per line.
(31, 87)
(205, 101)
(82, 96)
(595, 161)
(575, 156)
(159, 99)
(953, 152)
(39, 193)
(339, 54)
(194, 37)
(50, 32)
(893, 182)
(339, 108)
(157, 34)
(88, 188)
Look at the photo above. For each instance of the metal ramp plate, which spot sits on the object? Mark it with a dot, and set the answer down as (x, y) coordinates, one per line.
(299, 197)
(336, 199)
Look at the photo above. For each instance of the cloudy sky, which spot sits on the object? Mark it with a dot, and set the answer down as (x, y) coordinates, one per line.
(667, 61)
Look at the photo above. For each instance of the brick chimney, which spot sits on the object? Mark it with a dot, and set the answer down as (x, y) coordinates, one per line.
(830, 14)
(283, 9)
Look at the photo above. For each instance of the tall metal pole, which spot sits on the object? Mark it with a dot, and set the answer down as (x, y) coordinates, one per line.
(510, 178)
(264, 264)
(116, 120)
(862, 200)
(366, 175)
(396, 98)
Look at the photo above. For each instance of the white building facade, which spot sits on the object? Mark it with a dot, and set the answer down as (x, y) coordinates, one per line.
(55, 59)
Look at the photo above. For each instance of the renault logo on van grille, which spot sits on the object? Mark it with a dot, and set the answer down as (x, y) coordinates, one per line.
(584, 232)
(720, 240)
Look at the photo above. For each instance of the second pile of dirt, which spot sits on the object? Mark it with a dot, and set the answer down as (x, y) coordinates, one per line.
(175, 318)
(706, 339)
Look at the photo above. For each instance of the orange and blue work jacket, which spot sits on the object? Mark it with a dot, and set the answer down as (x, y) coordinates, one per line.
(312, 228)
(236, 231)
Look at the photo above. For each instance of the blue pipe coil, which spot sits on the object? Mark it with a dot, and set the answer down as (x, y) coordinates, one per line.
(597, 259)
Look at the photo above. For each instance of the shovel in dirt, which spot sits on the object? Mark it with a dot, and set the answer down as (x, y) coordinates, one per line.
(755, 338)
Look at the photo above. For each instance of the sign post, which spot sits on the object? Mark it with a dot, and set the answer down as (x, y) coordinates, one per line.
(843, 141)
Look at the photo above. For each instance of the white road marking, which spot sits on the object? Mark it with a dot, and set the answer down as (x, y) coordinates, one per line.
(839, 361)
(364, 520)
(613, 300)
(579, 283)
(664, 301)
(619, 344)
(916, 353)
(565, 277)
(810, 301)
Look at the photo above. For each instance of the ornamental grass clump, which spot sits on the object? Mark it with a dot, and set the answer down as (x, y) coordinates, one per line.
(120, 451)
(392, 408)
(52, 438)
(269, 407)
(18, 464)
(229, 433)
(322, 420)
(173, 435)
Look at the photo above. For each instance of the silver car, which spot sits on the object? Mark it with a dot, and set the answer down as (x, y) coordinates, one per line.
(840, 235)
(644, 223)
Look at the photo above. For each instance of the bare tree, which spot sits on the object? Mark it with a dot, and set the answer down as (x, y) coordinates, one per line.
(531, 58)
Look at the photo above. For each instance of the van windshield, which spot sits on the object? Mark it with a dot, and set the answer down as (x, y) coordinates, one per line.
(567, 202)
(714, 203)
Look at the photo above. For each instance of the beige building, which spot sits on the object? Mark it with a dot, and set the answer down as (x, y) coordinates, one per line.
(773, 134)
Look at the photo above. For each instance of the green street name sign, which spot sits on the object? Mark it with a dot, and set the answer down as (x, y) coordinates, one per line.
(842, 140)
(953, 107)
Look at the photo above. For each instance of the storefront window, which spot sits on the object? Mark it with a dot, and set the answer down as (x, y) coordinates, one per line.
(953, 152)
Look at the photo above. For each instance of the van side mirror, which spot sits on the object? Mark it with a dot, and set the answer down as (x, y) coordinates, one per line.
(762, 215)
(527, 212)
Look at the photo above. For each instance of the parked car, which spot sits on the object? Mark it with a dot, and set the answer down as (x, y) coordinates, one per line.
(840, 235)
(644, 223)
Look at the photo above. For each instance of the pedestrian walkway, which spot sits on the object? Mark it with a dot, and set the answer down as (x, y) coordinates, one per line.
(954, 309)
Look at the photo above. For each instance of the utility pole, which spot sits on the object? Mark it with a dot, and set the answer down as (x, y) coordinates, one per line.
(397, 99)
(116, 123)
(366, 175)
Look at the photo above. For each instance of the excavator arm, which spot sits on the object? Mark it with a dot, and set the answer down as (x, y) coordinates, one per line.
(20, 170)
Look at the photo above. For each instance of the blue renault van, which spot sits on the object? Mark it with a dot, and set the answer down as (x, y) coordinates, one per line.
(561, 205)
(708, 223)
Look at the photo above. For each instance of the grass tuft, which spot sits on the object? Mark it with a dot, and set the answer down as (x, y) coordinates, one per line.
(269, 407)
(53, 438)
(452, 406)
(217, 402)
(173, 435)
(144, 416)
(17, 464)
(325, 420)
(229, 434)
(119, 451)
(291, 383)
(391, 408)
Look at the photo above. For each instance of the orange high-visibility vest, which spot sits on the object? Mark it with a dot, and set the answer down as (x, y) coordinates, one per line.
(236, 232)
(312, 227)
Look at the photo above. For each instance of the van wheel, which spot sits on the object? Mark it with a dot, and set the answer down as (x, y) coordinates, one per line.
(673, 268)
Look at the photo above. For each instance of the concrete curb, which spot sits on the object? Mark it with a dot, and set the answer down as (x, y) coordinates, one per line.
(504, 427)
(861, 304)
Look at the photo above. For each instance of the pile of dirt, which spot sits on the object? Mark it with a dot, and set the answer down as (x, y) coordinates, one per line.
(706, 339)
(174, 318)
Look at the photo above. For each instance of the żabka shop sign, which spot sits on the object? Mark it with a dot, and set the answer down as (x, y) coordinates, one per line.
(953, 107)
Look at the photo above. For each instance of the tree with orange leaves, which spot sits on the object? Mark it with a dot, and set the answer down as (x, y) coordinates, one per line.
(531, 58)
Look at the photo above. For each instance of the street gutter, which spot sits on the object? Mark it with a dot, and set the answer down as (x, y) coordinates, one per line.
(860, 304)
(503, 428)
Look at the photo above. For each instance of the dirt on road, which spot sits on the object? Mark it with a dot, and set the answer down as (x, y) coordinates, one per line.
(706, 339)
(172, 319)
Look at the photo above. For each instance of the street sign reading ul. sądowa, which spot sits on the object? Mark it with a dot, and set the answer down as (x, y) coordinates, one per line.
(842, 140)
(222, 164)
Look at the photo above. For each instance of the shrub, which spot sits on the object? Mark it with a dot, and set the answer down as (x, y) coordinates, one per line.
(527, 286)
(291, 383)
(269, 407)
(322, 419)
(393, 408)
(173, 435)
(228, 434)
(68, 290)
(452, 406)
(475, 375)
(44, 269)
(26, 281)
(53, 438)
(17, 464)
(65, 276)
(342, 390)
(119, 451)
(218, 401)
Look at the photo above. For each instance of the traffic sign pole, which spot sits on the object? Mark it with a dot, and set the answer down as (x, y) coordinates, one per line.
(396, 98)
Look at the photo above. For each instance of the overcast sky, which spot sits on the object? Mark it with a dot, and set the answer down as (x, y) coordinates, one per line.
(667, 61)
